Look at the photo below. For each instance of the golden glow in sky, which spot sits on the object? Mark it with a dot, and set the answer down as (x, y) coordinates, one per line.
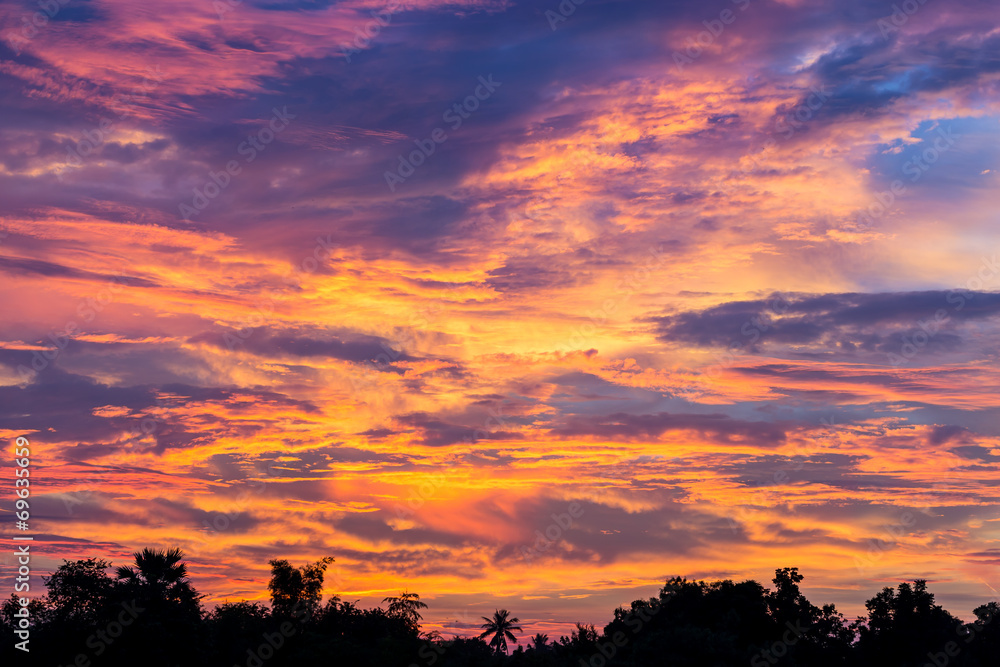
(634, 316)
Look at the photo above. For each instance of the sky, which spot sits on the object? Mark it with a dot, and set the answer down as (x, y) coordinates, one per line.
(524, 305)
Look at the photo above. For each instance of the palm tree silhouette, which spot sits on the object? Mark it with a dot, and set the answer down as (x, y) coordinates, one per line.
(501, 627)
(406, 607)
(160, 576)
(159, 569)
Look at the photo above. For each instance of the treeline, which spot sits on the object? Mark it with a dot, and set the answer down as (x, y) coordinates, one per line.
(149, 614)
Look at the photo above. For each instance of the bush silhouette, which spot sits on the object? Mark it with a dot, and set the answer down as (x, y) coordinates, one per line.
(149, 613)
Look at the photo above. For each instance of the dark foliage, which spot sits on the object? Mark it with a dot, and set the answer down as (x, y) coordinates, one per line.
(149, 614)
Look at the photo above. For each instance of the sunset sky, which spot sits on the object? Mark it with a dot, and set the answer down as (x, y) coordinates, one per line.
(397, 281)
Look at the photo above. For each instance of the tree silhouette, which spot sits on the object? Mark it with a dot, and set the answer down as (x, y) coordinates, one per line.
(405, 607)
(166, 624)
(230, 625)
(984, 633)
(900, 622)
(78, 591)
(149, 615)
(155, 567)
(296, 591)
(501, 626)
(818, 636)
(160, 573)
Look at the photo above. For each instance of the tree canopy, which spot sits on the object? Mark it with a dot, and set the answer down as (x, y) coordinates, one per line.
(149, 613)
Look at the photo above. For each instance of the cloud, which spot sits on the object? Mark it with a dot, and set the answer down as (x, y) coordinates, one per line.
(438, 433)
(275, 344)
(847, 324)
(719, 427)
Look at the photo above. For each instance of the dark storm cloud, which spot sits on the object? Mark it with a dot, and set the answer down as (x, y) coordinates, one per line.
(264, 342)
(873, 74)
(977, 453)
(21, 266)
(62, 405)
(603, 533)
(843, 322)
(945, 433)
(717, 427)
(373, 527)
(95, 507)
(435, 432)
